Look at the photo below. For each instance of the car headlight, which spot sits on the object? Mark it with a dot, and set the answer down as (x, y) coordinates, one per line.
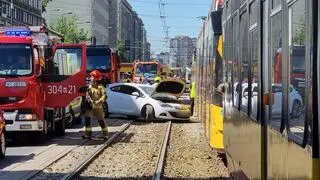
(27, 117)
(166, 105)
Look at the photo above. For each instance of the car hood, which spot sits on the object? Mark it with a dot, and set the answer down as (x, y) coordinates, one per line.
(172, 87)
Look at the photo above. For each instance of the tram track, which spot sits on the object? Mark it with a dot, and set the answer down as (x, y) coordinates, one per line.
(74, 172)
(41, 174)
(162, 154)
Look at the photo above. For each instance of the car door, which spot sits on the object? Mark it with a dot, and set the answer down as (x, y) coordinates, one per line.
(120, 101)
(130, 106)
(114, 99)
(65, 75)
(138, 101)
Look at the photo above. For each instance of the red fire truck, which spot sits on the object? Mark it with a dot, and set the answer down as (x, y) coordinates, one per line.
(102, 58)
(38, 81)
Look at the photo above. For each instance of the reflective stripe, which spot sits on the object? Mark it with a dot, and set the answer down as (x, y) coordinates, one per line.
(88, 129)
(193, 90)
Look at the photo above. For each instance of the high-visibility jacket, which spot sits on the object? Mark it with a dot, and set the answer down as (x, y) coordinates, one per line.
(97, 95)
(193, 90)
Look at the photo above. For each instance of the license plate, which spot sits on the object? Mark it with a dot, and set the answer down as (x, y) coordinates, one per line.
(25, 126)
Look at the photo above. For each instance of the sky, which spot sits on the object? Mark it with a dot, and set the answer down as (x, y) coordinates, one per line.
(181, 17)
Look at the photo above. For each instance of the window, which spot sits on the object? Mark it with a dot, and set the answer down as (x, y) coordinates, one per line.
(125, 89)
(244, 60)
(254, 38)
(65, 62)
(16, 60)
(297, 98)
(275, 110)
(236, 63)
(275, 3)
(254, 51)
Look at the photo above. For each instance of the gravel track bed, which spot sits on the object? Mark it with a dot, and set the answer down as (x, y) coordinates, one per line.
(189, 155)
(64, 165)
(133, 156)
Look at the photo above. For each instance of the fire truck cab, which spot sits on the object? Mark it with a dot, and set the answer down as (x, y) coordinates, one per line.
(38, 80)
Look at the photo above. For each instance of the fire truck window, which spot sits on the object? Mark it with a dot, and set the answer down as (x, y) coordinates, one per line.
(16, 60)
(150, 70)
(297, 71)
(98, 59)
(66, 61)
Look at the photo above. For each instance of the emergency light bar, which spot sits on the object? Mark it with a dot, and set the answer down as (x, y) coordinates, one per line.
(18, 33)
(21, 30)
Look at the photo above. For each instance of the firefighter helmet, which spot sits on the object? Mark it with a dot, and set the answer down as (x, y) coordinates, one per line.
(96, 75)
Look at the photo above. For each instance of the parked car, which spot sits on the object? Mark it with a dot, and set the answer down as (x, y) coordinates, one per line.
(2, 136)
(151, 103)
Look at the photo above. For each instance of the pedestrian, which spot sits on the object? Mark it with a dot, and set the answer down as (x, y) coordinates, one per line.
(95, 98)
(192, 96)
(156, 81)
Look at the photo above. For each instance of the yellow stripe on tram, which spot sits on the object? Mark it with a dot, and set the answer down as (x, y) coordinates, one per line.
(216, 127)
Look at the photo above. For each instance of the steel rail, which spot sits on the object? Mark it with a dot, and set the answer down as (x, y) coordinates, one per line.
(93, 156)
(37, 172)
(161, 156)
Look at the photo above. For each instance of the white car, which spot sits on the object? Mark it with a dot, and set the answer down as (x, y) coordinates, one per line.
(295, 99)
(139, 100)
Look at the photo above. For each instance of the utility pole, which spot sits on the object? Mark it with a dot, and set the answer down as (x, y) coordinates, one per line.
(11, 19)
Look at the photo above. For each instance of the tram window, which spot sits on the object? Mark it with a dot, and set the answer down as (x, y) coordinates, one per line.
(242, 1)
(275, 3)
(253, 13)
(276, 80)
(254, 73)
(236, 63)
(244, 58)
(297, 71)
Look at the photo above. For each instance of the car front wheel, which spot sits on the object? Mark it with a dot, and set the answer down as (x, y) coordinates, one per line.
(296, 109)
(150, 113)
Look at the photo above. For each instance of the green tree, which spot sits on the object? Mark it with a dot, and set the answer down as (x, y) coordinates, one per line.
(120, 49)
(300, 37)
(67, 27)
(45, 4)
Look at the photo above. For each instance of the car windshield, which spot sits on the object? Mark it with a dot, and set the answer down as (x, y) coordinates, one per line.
(98, 59)
(15, 60)
(150, 70)
(148, 90)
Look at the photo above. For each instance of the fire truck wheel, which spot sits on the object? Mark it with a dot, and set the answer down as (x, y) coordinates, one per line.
(3, 146)
(61, 125)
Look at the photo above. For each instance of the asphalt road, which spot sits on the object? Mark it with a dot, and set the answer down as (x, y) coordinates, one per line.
(21, 153)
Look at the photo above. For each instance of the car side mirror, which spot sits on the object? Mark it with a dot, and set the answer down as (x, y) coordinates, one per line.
(135, 94)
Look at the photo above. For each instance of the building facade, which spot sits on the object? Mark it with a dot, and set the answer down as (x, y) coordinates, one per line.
(165, 58)
(22, 13)
(127, 29)
(91, 15)
(181, 51)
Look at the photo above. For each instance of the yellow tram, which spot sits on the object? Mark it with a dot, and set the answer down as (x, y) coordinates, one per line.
(257, 77)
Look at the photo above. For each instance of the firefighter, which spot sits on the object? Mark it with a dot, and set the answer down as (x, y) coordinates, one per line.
(156, 81)
(192, 95)
(95, 98)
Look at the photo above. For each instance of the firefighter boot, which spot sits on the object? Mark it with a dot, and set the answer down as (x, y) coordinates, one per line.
(88, 129)
(104, 129)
